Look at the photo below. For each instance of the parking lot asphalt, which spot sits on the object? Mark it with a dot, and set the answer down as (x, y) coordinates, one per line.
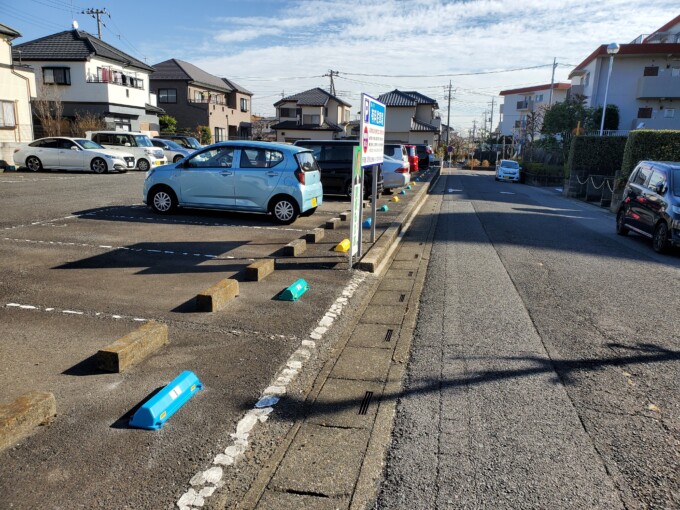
(84, 263)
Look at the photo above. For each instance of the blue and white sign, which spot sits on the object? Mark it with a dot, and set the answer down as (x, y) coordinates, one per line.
(372, 129)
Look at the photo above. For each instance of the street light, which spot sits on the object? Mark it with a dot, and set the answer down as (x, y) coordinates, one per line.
(612, 49)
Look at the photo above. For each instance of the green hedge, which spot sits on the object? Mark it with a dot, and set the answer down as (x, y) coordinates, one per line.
(662, 145)
(599, 155)
(542, 169)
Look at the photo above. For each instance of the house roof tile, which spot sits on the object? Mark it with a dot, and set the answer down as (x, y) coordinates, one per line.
(73, 45)
(238, 88)
(405, 98)
(5, 30)
(175, 69)
(312, 97)
(417, 125)
(535, 88)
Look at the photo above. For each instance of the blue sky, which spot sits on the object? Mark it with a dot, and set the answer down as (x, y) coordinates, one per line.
(284, 47)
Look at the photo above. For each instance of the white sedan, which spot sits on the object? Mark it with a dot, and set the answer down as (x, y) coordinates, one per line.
(395, 173)
(64, 153)
(508, 170)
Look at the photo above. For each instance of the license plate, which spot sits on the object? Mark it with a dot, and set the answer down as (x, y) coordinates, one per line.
(506, 177)
(156, 163)
(130, 164)
(313, 202)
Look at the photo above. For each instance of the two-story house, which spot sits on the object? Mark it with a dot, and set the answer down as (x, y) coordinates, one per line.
(17, 88)
(195, 97)
(522, 102)
(311, 115)
(644, 83)
(411, 117)
(88, 75)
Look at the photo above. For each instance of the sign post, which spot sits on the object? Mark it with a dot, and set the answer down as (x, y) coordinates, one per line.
(372, 129)
(357, 198)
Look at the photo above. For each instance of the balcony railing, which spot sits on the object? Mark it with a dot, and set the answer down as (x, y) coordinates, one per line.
(656, 87)
(133, 83)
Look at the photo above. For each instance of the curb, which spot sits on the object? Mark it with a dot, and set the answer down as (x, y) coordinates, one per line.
(19, 418)
(377, 253)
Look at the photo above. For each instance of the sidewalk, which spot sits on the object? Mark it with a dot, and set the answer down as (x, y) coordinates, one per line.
(332, 458)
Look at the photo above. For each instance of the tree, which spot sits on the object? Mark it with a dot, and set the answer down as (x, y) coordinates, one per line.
(532, 129)
(203, 135)
(562, 119)
(168, 124)
(611, 118)
(86, 121)
(48, 109)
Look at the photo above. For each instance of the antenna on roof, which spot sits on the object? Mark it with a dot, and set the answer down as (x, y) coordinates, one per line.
(74, 25)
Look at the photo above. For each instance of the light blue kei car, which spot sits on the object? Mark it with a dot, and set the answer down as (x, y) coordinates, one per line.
(279, 179)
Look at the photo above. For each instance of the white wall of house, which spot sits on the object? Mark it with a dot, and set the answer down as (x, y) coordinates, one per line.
(425, 113)
(627, 79)
(17, 87)
(421, 137)
(536, 99)
(398, 122)
(290, 135)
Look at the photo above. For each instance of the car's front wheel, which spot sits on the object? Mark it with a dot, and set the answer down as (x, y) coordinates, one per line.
(621, 228)
(98, 166)
(33, 164)
(163, 200)
(177, 159)
(284, 210)
(143, 165)
(660, 239)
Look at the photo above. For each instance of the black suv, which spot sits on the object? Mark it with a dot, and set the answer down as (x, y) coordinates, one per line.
(651, 204)
(423, 151)
(335, 160)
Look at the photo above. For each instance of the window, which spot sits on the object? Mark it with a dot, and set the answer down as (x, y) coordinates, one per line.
(66, 144)
(7, 117)
(57, 75)
(212, 158)
(167, 95)
(244, 104)
(312, 119)
(669, 113)
(658, 177)
(644, 113)
(641, 175)
(675, 72)
(539, 98)
(260, 158)
(220, 134)
(651, 71)
(287, 112)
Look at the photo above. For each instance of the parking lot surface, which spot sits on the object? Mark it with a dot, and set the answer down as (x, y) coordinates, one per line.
(85, 263)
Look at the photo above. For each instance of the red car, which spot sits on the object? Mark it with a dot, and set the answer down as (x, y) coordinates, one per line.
(412, 158)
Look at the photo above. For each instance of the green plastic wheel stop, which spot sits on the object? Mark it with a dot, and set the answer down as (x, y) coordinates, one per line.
(294, 292)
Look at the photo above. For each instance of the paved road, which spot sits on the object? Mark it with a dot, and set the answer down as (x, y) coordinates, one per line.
(545, 363)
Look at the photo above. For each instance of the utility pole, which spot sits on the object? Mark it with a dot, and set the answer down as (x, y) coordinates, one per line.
(331, 74)
(96, 13)
(493, 102)
(552, 82)
(448, 116)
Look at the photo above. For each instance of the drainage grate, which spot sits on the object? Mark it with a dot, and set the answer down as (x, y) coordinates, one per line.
(402, 297)
(410, 273)
(388, 335)
(363, 408)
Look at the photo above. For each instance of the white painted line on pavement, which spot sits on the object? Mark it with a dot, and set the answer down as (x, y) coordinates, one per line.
(204, 483)
(73, 312)
(41, 222)
(507, 193)
(127, 248)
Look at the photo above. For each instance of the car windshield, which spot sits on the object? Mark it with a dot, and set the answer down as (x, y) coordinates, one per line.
(676, 182)
(510, 164)
(88, 144)
(173, 145)
(142, 141)
(189, 142)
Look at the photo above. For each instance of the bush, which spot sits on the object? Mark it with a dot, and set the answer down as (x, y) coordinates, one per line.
(485, 163)
(662, 145)
(168, 124)
(601, 155)
(543, 169)
(203, 135)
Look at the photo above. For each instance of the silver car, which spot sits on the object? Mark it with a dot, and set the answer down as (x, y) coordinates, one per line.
(62, 153)
(172, 150)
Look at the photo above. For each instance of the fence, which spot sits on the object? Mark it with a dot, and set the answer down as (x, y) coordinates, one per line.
(591, 188)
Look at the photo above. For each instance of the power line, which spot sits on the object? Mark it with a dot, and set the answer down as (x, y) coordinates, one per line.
(448, 75)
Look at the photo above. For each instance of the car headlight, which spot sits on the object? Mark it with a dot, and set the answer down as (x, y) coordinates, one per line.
(148, 151)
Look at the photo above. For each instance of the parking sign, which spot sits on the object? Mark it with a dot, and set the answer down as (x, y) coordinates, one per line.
(372, 129)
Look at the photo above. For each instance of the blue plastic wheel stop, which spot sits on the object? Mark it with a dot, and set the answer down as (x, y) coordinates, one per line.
(367, 223)
(384, 208)
(402, 192)
(294, 292)
(158, 409)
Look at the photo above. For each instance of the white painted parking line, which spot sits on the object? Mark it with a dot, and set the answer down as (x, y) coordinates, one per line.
(40, 222)
(157, 219)
(204, 483)
(74, 312)
(127, 248)
(21, 181)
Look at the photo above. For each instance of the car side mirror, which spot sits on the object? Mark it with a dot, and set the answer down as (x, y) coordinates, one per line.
(74, 148)
(660, 187)
(127, 144)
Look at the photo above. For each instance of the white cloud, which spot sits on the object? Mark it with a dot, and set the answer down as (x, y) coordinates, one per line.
(271, 54)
